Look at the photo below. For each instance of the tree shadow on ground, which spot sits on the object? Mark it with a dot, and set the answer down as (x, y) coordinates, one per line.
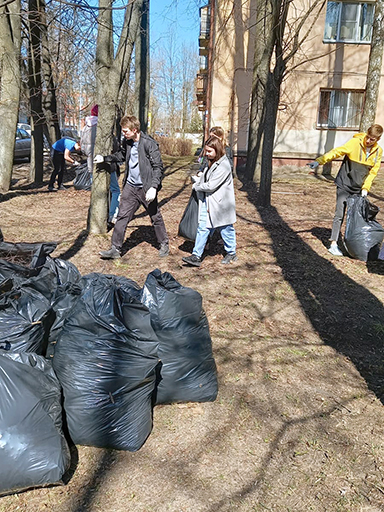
(346, 315)
(106, 460)
(76, 246)
(139, 235)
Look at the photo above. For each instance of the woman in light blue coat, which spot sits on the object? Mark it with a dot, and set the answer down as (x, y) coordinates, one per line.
(217, 209)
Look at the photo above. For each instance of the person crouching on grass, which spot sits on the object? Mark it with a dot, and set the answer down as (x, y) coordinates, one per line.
(217, 209)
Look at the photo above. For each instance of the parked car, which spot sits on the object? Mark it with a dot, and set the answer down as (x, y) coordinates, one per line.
(26, 127)
(22, 144)
(70, 132)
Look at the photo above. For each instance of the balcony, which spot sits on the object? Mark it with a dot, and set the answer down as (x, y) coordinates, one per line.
(201, 106)
(201, 83)
(205, 26)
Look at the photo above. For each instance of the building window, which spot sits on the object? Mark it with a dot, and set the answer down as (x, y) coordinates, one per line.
(340, 108)
(205, 21)
(349, 22)
(203, 64)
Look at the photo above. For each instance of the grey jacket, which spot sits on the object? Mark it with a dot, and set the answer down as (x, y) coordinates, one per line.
(150, 163)
(216, 183)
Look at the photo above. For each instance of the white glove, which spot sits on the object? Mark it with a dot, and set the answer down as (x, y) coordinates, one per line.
(364, 193)
(195, 179)
(99, 159)
(150, 195)
(313, 165)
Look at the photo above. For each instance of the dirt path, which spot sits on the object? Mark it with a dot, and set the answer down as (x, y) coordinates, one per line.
(298, 336)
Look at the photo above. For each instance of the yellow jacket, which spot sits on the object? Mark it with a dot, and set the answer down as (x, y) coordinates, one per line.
(356, 152)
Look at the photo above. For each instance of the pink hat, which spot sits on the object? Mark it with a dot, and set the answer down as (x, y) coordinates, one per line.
(95, 110)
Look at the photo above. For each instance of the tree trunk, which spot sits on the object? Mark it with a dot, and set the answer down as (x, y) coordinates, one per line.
(264, 45)
(52, 128)
(374, 68)
(272, 100)
(10, 42)
(272, 105)
(35, 91)
(142, 74)
(110, 76)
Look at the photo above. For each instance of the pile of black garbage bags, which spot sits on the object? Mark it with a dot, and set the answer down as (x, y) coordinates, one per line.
(90, 356)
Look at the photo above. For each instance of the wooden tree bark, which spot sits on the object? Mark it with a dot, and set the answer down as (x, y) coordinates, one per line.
(142, 71)
(275, 79)
(271, 24)
(374, 68)
(35, 91)
(111, 72)
(52, 128)
(10, 42)
(264, 45)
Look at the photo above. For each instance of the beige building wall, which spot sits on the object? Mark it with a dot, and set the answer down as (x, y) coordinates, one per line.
(316, 65)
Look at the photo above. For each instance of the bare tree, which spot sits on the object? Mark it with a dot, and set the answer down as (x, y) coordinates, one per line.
(374, 68)
(111, 73)
(10, 44)
(275, 49)
(35, 90)
(142, 68)
(49, 105)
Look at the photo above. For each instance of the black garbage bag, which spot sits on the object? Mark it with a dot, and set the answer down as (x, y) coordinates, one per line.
(188, 371)
(66, 297)
(65, 271)
(21, 261)
(33, 449)
(362, 237)
(190, 218)
(83, 180)
(25, 319)
(105, 358)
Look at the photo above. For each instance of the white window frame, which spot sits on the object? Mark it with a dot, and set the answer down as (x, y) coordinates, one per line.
(331, 125)
(338, 38)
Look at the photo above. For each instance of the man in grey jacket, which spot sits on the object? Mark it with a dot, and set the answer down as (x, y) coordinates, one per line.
(142, 180)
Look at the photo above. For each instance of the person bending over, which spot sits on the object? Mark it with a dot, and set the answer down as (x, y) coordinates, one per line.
(61, 153)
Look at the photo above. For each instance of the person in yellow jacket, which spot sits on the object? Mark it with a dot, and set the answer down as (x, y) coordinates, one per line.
(361, 163)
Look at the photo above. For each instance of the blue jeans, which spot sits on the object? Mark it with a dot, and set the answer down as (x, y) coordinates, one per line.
(115, 197)
(227, 233)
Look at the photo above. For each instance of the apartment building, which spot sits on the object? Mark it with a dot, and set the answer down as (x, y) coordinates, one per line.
(323, 93)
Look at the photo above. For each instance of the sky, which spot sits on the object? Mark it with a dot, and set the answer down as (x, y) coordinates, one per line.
(181, 15)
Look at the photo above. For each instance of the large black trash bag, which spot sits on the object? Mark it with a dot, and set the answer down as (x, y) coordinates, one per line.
(65, 300)
(188, 371)
(33, 450)
(83, 180)
(21, 261)
(190, 218)
(362, 237)
(105, 359)
(25, 318)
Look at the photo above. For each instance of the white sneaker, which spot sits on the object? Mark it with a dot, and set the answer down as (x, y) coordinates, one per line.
(335, 251)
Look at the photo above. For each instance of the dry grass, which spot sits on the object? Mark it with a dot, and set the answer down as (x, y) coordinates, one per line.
(173, 146)
(298, 339)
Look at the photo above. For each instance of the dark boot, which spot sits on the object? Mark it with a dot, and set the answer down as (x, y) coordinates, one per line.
(193, 260)
(164, 249)
(112, 254)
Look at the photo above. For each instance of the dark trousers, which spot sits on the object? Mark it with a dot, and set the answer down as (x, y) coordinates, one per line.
(58, 168)
(130, 201)
(341, 205)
